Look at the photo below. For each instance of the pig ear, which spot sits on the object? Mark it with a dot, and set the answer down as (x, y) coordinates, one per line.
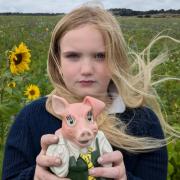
(96, 105)
(59, 104)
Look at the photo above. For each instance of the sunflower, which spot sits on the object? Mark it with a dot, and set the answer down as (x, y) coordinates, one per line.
(12, 84)
(19, 59)
(32, 92)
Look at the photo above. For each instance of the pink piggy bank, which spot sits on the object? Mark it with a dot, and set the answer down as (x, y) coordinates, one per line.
(80, 142)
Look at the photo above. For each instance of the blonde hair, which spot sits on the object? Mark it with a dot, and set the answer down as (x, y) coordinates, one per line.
(130, 73)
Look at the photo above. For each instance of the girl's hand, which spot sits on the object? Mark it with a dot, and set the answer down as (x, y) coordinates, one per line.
(43, 161)
(117, 171)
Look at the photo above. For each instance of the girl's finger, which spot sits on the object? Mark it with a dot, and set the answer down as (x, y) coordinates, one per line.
(114, 157)
(106, 172)
(46, 175)
(47, 140)
(50, 176)
(46, 161)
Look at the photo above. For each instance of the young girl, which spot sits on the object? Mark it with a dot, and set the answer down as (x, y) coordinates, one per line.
(88, 56)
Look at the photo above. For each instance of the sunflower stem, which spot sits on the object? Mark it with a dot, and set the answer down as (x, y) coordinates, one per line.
(2, 90)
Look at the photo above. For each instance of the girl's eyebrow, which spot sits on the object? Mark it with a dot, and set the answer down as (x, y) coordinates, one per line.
(80, 53)
(71, 52)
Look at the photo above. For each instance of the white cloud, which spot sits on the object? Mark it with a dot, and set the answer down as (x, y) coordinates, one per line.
(143, 4)
(67, 5)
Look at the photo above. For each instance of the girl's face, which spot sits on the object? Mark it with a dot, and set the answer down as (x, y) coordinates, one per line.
(83, 64)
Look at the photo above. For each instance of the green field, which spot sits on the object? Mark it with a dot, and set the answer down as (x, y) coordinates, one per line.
(35, 31)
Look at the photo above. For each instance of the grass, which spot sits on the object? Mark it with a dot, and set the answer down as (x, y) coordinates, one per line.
(35, 31)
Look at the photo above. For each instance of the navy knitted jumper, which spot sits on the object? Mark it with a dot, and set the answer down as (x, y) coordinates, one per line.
(23, 143)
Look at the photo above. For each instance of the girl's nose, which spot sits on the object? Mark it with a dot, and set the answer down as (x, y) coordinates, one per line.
(87, 66)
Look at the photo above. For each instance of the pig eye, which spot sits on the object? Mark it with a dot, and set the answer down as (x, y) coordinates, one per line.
(90, 116)
(70, 120)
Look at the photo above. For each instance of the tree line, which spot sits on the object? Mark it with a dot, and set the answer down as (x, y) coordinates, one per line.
(130, 12)
(115, 11)
(29, 14)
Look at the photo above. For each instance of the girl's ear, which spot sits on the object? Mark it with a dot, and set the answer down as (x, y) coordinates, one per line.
(59, 105)
(96, 105)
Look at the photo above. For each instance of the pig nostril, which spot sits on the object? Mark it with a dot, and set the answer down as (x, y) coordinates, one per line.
(86, 134)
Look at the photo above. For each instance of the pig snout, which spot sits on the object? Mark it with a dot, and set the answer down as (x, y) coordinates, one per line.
(86, 134)
(85, 137)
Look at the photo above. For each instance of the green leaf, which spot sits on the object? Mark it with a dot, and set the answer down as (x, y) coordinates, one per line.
(9, 90)
(170, 169)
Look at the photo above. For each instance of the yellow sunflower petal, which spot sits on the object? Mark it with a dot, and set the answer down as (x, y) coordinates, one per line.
(19, 59)
(32, 92)
(12, 84)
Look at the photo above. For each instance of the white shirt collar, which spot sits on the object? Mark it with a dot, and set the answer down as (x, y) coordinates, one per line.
(117, 106)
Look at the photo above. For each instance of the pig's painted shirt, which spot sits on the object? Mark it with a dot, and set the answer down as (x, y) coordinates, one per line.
(23, 142)
(66, 149)
(78, 168)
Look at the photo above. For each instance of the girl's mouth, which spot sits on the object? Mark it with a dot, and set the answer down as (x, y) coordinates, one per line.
(86, 83)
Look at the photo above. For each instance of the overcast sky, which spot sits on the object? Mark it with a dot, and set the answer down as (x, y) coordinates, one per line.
(59, 6)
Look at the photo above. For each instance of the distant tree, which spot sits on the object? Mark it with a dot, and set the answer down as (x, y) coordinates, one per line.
(130, 12)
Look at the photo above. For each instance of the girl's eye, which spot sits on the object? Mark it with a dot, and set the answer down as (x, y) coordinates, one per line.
(70, 120)
(90, 116)
(72, 56)
(100, 56)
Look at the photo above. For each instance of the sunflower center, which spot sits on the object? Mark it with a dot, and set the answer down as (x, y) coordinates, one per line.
(32, 92)
(11, 85)
(18, 60)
